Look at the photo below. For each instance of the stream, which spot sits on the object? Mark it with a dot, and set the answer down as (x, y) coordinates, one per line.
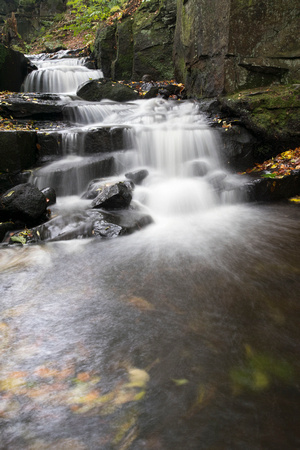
(182, 335)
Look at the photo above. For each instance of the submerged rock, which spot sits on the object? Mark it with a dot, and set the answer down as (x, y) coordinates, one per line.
(23, 202)
(81, 225)
(115, 196)
(138, 176)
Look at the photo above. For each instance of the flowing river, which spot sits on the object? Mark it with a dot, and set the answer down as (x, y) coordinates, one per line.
(183, 335)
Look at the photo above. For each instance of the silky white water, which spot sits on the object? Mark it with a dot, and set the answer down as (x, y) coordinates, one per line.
(59, 76)
(172, 140)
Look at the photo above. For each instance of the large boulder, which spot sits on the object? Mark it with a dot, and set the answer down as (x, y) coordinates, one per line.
(272, 114)
(24, 202)
(97, 90)
(14, 67)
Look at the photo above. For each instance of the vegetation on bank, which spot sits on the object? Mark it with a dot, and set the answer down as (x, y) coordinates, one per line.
(74, 28)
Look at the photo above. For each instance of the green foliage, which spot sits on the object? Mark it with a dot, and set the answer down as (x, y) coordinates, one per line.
(89, 12)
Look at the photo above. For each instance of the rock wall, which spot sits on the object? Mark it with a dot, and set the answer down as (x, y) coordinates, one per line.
(226, 45)
(139, 44)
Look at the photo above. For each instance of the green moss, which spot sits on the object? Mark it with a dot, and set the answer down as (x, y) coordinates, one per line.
(274, 111)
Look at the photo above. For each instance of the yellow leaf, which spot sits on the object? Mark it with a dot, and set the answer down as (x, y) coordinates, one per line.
(9, 194)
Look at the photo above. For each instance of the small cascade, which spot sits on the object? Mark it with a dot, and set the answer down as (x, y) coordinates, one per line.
(59, 76)
(171, 140)
(71, 174)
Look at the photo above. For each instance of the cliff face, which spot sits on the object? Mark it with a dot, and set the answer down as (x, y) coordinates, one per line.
(226, 45)
(30, 14)
(139, 44)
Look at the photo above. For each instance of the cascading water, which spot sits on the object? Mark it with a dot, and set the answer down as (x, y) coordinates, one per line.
(183, 335)
(59, 76)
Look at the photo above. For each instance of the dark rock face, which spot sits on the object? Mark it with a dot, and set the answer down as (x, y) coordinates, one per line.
(18, 150)
(116, 196)
(226, 45)
(14, 67)
(97, 90)
(103, 140)
(23, 202)
(141, 43)
(29, 15)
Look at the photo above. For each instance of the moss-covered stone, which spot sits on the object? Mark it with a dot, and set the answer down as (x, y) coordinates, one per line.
(105, 48)
(273, 114)
(139, 44)
(123, 64)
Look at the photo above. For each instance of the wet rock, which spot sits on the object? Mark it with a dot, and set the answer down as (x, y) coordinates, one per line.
(239, 147)
(97, 90)
(152, 93)
(103, 139)
(138, 176)
(81, 225)
(105, 229)
(50, 195)
(23, 202)
(40, 106)
(116, 196)
(49, 146)
(130, 220)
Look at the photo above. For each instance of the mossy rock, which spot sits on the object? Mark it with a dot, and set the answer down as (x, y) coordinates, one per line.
(97, 90)
(272, 114)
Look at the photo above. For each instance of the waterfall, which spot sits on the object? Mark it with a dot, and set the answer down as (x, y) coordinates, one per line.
(170, 139)
(60, 76)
